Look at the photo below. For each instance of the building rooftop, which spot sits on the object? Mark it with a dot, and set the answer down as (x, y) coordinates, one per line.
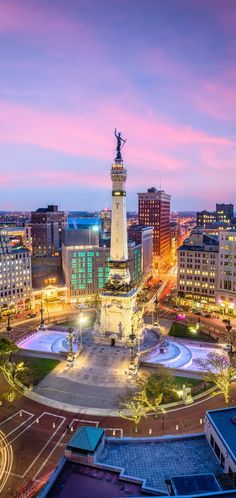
(86, 439)
(195, 484)
(224, 422)
(152, 460)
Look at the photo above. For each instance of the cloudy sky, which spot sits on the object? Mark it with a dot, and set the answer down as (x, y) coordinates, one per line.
(161, 71)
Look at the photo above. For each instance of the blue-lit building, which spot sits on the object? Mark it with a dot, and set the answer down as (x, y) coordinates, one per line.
(86, 267)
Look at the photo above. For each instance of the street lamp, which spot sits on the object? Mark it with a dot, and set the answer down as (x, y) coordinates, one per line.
(230, 349)
(163, 419)
(9, 328)
(70, 355)
(42, 322)
(132, 338)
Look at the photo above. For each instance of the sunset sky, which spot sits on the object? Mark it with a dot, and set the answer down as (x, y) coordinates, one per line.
(161, 71)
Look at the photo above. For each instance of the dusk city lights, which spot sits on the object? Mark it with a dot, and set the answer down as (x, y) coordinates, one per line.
(117, 248)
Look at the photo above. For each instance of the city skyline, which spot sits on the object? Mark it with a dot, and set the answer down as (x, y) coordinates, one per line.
(162, 73)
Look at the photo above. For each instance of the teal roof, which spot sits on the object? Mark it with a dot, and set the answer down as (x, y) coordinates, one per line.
(86, 438)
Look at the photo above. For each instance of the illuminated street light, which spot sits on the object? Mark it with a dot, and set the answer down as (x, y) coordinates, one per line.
(9, 328)
(132, 338)
(231, 352)
(42, 325)
(70, 356)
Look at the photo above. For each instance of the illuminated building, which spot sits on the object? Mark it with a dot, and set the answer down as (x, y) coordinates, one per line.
(154, 210)
(84, 232)
(18, 235)
(15, 275)
(197, 268)
(105, 216)
(223, 214)
(226, 285)
(143, 235)
(118, 298)
(47, 224)
(86, 269)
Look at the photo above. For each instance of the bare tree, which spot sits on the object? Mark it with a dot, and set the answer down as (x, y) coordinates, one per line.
(136, 410)
(217, 369)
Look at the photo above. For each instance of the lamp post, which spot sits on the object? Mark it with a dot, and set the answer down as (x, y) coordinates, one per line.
(231, 351)
(163, 419)
(9, 328)
(42, 322)
(132, 338)
(70, 355)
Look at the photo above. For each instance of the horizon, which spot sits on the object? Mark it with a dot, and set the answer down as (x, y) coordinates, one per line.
(162, 74)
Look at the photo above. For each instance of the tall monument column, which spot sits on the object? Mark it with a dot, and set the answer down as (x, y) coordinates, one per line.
(119, 265)
(118, 298)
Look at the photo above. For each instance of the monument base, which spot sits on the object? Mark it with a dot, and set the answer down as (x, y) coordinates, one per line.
(118, 316)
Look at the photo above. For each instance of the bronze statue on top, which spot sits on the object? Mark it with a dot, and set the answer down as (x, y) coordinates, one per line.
(119, 146)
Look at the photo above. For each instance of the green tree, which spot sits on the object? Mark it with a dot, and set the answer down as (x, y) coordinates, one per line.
(217, 369)
(152, 403)
(7, 348)
(17, 370)
(161, 382)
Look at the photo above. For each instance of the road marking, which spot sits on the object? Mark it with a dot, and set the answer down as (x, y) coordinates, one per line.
(47, 443)
(14, 415)
(92, 422)
(114, 430)
(16, 429)
(49, 456)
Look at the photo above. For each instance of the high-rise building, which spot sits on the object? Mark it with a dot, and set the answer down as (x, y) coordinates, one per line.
(15, 275)
(47, 224)
(205, 218)
(86, 269)
(154, 210)
(223, 214)
(143, 235)
(82, 234)
(197, 268)
(105, 216)
(226, 284)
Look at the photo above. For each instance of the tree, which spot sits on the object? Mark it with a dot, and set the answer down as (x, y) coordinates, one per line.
(7, 347)
(160, 383)
(217, 369)
(136, 410)
(152, 403)
(17, 370)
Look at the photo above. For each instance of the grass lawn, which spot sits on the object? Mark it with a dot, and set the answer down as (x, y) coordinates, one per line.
(197, 385)
(182, 330)
(39, 367)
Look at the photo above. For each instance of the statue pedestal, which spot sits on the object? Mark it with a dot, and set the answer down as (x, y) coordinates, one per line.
(117, 317)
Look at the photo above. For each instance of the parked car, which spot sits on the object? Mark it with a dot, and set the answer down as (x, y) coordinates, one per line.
(225, 320)
(198, 313)
(207, 315)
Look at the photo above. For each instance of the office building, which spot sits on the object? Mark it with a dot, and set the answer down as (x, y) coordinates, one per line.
(18, 235)
(82, 233)
(223, 214)
(105, 216)
(143, 235)
(226, 284)
(15, 275)
(47, 224)
(86, 269)
(154, 210)
(197, 268)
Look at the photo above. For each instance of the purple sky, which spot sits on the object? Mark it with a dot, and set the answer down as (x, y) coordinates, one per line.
(161, 71)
